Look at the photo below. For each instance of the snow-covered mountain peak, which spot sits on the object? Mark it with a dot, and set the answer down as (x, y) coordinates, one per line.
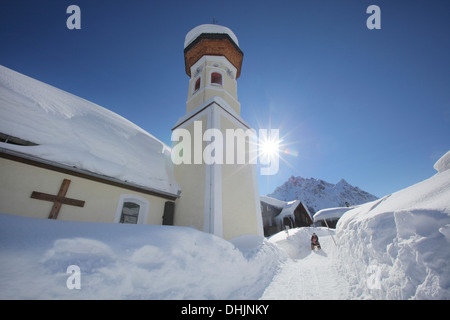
(342, 182)
(318, 194)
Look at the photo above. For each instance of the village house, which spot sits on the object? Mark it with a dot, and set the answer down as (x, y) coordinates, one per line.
(278, 215)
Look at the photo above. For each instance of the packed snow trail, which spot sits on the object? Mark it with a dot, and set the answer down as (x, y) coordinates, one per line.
(307, 275)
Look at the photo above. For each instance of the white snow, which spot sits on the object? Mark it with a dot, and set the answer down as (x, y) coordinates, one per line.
(273, 202)
(288, 211)
(443, 163)
(72, 131)
(307, 275)
(331, 213)
(122, 261)
(405, 238)
(208, 28)
(397, 247)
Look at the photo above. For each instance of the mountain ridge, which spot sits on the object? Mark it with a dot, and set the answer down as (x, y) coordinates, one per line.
(318, 194)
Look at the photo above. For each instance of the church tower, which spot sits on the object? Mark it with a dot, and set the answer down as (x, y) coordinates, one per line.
(212, 143)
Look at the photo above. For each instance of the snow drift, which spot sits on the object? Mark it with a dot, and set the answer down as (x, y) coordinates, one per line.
(120, 261)
(400, 242)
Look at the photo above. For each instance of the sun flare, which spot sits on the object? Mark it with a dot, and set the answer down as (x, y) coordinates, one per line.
(269, 148)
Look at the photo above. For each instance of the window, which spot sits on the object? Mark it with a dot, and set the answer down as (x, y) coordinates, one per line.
(216, 78)
(130, 212)
(197, 85)
(132, 209)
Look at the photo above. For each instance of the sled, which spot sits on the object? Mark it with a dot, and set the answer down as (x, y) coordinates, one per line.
(315, 246)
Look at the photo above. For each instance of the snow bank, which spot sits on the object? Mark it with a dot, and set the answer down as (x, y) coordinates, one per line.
(398, 247)
(120, 261)
(75, 132)
(443, 163)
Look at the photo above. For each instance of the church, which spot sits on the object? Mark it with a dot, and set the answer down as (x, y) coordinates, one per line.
(63, 157)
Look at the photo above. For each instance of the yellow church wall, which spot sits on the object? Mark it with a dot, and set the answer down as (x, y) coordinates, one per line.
(207, 93)
(222, 199)
(217, 91)
(189, 208)
(240, 214)
(19, 180)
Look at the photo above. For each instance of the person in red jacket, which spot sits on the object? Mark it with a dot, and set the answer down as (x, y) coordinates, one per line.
(315, 242)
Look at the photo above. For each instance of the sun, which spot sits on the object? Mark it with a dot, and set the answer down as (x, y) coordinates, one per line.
(269, 147)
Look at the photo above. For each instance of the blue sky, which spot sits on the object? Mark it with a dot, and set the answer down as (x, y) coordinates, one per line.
(370, 106)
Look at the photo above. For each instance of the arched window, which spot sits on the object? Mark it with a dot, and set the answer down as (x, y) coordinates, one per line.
(216, 78)
(132, 209)
(197, 85)
(130, 212)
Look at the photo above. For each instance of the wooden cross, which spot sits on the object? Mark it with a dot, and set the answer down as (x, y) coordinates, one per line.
(58, 200)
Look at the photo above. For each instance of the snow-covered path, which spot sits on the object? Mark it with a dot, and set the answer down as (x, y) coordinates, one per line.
(307, 274)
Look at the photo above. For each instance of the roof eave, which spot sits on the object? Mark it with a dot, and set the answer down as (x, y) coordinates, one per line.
(55, 166)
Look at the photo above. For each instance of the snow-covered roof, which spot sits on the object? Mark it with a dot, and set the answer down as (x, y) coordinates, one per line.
(331, 213)
(208, 28)
(72, 131)
(287, 208)
(273, 202)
